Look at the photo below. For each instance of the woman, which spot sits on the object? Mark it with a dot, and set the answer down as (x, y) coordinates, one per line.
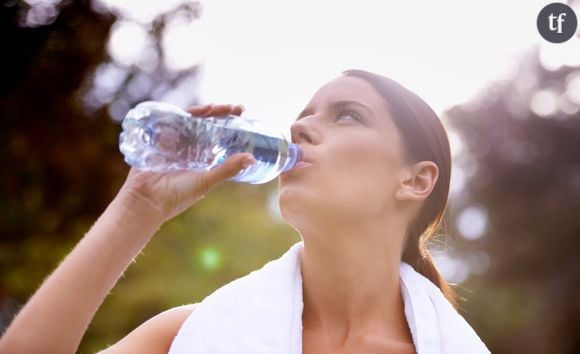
(370, 190)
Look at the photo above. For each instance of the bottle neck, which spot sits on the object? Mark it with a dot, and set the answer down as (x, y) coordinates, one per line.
(294, 156)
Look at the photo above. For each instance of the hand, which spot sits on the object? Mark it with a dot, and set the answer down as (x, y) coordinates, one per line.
(169, 194)
(62, 308)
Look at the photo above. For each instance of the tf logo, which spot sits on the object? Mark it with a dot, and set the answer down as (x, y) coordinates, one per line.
(557, 22)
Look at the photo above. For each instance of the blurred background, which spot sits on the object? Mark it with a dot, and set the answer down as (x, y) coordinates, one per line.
(511, 103)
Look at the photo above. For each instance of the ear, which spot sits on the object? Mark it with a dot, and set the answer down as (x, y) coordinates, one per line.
(417, 181)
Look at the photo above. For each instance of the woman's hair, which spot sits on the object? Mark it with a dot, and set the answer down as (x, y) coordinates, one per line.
(424, 139)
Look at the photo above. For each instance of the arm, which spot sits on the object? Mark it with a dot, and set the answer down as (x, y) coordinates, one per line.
(58, 314)
(155, 335)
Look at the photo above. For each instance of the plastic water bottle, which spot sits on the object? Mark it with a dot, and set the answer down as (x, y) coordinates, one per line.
(161, 137)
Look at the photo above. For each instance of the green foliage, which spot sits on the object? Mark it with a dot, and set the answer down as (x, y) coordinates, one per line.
(60, 166)
(227, 235)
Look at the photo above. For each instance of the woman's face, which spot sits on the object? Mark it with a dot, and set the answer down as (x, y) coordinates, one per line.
(352, 158)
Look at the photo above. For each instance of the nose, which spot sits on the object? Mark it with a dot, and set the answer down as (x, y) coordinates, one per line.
(303, 131)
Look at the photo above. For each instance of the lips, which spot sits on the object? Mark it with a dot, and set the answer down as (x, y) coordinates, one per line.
(302, 164)
(305, 157)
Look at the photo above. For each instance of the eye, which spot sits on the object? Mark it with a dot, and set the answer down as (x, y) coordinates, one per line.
(348, 115)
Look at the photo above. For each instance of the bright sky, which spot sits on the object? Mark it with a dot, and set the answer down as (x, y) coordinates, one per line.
(271, 56)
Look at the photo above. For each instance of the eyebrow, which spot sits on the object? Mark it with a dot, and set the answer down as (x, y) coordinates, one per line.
(335, 105)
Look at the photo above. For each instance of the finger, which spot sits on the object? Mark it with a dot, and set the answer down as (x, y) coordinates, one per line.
(222, 110)
(238, 110)
(200, 111)
(230, 168)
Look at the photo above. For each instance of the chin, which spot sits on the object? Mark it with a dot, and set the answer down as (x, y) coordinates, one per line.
(302, 211)
(294, 204)
(291, 193)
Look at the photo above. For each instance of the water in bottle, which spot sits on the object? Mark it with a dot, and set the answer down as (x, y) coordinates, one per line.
(161, 137)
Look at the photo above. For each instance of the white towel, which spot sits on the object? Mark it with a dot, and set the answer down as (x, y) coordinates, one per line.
(262, 313)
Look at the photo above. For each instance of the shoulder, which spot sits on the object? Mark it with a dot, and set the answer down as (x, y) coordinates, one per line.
(155, 335)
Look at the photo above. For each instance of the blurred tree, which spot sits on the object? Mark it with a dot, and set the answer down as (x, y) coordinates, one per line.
(522, 151)
(62, 94)
(55, 156)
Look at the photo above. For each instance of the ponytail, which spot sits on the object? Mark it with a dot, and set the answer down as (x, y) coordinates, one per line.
(417, 255)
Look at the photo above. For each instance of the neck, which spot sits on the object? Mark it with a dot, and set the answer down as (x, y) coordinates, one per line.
(351, 281)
